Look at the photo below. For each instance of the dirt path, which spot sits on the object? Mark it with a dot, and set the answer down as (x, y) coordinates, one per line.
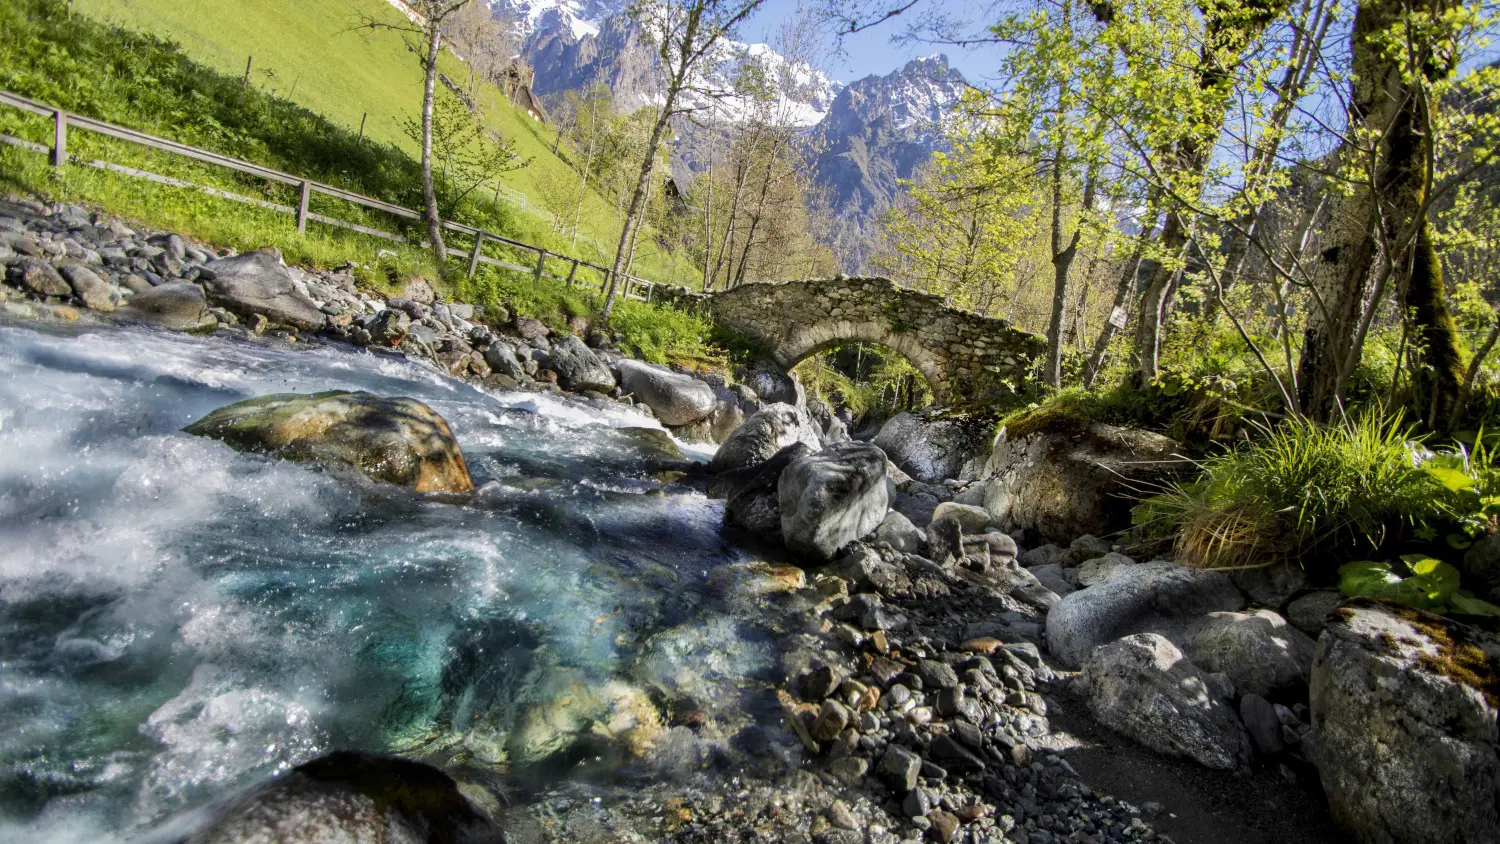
(1200, 806)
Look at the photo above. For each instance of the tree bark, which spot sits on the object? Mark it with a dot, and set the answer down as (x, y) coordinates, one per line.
(429, 191)
(1381, 216)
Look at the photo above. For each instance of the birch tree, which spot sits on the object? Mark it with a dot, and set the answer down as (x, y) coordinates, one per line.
(686, 34)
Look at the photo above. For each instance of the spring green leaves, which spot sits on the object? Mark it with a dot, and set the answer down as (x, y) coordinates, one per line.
(1416, 580)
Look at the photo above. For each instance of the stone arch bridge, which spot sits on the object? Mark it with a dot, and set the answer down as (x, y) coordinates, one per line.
(966, 358)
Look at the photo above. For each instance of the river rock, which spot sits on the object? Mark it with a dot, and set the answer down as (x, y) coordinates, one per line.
(1270, 586)
(1144, 687)
(353, 796)
(676, 399)
(1100, 569)
(94, 292)
(774, 386)
(37, 277)
(767, 432)
(1156, 597)
(934, 445)
(389, 327)
(1257, 649)
(578, 368)
(178, 304)
(902, 535)
(1060, 479)
(754, 501)
(501, 357)
(1404, 715)
(1310, 613)
(1053, 577)
(971, 518)
(258, 283)
(572, 709)
(394, 440)
(832, 498)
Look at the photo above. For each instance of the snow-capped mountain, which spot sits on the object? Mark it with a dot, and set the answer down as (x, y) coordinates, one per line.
(574, 43)
(867, 135)
(879, 130)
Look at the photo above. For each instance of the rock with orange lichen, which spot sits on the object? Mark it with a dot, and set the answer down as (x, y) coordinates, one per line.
(398, 441)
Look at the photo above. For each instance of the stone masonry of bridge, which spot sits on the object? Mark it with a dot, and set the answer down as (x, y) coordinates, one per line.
(966, 358)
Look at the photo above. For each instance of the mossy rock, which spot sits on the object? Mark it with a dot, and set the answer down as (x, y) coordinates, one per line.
(398, 441)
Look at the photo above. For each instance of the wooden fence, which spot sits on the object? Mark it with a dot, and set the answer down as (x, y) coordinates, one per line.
(631, 287)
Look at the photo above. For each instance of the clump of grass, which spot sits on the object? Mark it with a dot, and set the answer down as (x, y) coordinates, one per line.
(1301, 491)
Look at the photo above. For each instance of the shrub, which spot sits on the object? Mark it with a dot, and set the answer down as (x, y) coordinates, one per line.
(1303, 491)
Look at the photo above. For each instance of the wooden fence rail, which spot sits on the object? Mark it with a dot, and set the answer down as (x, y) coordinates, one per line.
(631, 287)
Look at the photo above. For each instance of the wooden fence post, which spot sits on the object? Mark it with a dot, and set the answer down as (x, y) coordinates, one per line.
(59, 138)
(474, 256)
(572, 271)
(361, 139)
(541, 261)
(302, 207)
(245, 83)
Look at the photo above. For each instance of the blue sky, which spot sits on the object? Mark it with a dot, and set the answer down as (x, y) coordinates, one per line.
(872, 51)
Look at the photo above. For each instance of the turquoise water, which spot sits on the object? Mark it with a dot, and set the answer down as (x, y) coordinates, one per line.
(178, 620)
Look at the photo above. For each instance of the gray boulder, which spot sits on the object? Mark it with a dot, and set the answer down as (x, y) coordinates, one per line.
(774, 386)
(354, 796)
(578, 368)
(37, 277)
(934, 445)
(501, 357)
(1310, 613)
(1405, 730)
(1100, 569)
(1143, 687)
(1061, 478)
(1270, 586)
(753, 501)
(178, 304)
(832, 498)
(1054, 578)
(675, 399)
(257, 283)
(765, 433)
(94, 292)
(1257, 649)
(971, 518)
(902, 535)
(1156, 597)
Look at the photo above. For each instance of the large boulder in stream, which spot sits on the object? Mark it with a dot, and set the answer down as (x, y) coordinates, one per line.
(1156, 597)
(933, 445)
(353, 796)
(832, 498)
(258, 283)
(578, 368)
(765, 433)
(675, 399)
(1143, 686)
(1057, 477)
(394, 440)
(177, 304)
(753, 500)
(1405, 732)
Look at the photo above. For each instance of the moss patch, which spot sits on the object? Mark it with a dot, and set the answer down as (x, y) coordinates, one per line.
(1460, 657)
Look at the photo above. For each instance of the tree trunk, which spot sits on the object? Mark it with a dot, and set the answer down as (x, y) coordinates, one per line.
(638, 199)
(429, 192)
(1390, 110)
(1122, 295)
(1062, 260)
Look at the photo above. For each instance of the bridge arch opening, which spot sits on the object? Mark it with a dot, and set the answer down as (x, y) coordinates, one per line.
(873, 380)
(812, 340)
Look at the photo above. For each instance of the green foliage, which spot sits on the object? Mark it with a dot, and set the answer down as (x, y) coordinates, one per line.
(664, 334)
(1424, 583)
(1303, 490)
(464, 154)
(873, 382)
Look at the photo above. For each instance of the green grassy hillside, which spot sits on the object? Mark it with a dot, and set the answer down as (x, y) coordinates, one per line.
(316, 53)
